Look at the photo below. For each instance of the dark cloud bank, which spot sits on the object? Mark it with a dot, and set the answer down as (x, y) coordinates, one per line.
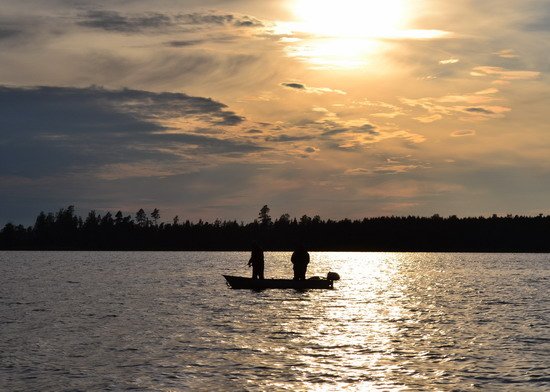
(48, 131)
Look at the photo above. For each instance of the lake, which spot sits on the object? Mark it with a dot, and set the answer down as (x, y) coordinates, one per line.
(157, 321)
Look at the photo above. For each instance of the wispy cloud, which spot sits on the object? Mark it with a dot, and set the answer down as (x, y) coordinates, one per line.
(379, 109)
(115, 21)
(506, 54)
(349, 137)
(386, 169)
(429, 119)
(288, 138)
(449, 61)
(219, 19)
(505, 74)
(130, 23)
(478, 106)
(390, 166)
(463, 133)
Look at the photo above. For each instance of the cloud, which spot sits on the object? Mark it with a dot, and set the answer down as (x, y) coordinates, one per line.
(219, 19)
(505, 74)
(479, 110)
(463, 133)
(61, 130)
(288, 138)
(335, 131)
(539, 20)
(489, 111)
(365, 128)
(429, 119)
(115, 21)
(353, 137)
(357, 172)
(491, 90)
(479, 105)
(220, 38)
(207, 144)
(311, 90)
(449, 61)
(388, 114)
(184, 43)
(467, 98)
(507, 54)
(146, 50)
(389, 167)
(394, 169)
(381, 109)
(230, 119)
(25, 30)
(7, 33)
(297, 86)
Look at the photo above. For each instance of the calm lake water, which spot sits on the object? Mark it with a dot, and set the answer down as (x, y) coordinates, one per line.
(86, 321)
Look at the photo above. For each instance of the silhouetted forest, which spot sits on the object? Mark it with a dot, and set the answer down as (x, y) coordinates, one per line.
(65, 230)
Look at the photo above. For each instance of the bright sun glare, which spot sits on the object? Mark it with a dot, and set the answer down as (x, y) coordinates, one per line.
(348, 33)
(351, 18)
(343, 33)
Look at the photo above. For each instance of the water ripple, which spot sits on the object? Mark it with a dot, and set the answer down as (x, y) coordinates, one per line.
(167, 321)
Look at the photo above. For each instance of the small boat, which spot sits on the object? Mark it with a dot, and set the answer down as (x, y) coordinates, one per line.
(239, 282)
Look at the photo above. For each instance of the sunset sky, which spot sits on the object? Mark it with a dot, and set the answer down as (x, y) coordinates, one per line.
(211, 109)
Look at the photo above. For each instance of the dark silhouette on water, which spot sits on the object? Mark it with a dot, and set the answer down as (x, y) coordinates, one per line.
(239, 282)
(257, 262)
(65, 230)
(300, 260)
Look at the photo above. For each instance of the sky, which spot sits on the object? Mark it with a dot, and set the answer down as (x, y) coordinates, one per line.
(211, 109)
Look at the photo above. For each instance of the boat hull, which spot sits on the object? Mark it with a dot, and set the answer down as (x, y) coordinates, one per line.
(239, 282)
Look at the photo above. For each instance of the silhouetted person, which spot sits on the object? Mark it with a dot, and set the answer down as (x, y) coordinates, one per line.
(257, 262)
(300, 260)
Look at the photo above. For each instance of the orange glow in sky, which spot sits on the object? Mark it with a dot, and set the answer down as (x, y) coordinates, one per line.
(208, 109)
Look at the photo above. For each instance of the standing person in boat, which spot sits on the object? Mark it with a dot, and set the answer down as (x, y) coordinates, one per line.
(300, 260)
(257, 262)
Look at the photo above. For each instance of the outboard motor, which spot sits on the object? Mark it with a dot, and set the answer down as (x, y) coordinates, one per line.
(333, 276)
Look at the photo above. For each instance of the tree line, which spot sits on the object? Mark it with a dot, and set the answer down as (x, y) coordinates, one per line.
(64, 230)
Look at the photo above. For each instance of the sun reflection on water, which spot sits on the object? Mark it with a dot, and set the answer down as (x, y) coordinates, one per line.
(355, 323)
(363, 316)
(384, 327)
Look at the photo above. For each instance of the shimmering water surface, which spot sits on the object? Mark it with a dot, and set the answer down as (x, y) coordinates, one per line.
(167, 321)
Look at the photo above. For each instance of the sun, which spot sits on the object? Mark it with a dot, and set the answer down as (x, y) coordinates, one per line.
(349, 34)
(342, 34)
(351, 18)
